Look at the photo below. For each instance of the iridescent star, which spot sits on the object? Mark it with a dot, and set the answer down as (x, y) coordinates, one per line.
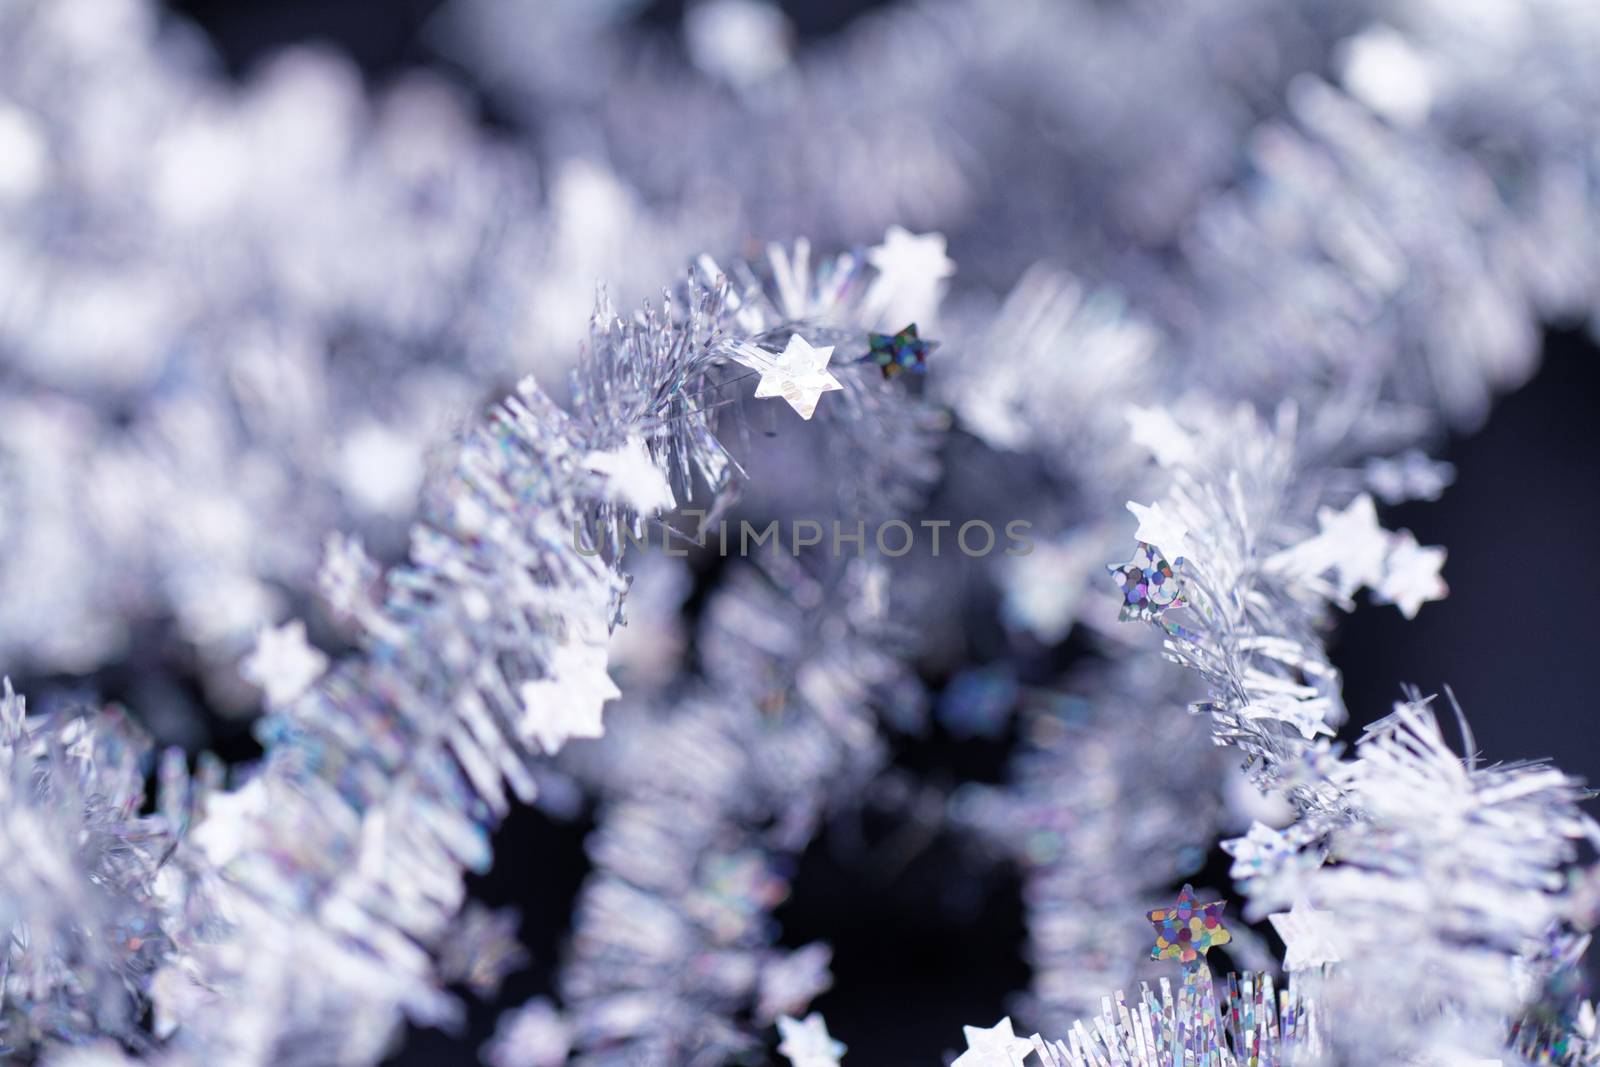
(893, 353)
(1189, 930)
(1149, 583)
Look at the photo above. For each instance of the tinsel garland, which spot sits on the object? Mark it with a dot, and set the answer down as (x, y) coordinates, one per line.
(1288, 336)
(377, 791)
(1396, 838)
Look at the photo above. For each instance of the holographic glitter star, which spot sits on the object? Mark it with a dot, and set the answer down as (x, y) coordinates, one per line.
(893, 353)
(1150, 585)
(1189, 930)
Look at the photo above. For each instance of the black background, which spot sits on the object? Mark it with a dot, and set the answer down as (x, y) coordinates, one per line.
(1517, 640)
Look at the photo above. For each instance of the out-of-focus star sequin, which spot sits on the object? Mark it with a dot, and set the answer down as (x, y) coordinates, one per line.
(893, 353)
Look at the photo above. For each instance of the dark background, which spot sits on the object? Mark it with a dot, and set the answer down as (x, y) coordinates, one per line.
(1516, 640)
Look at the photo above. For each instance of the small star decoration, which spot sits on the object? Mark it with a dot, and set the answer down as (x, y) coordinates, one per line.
(1361, 544)
(997, 1046)
(1149, 584)
(914, 261)
(632, 477)
(911, 270)
(1189, 930)
(1260, 850)
(789, 981)
(1152, 428)
(799, 374)
(807, 1043)
(1411, 575)
(893, 353)
(1307, 937)
(1161, 529)
(283, 665)
(567, 702)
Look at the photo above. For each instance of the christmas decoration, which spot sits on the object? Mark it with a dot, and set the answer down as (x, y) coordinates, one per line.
(282, 663)
(1231, 268)
(807, 1043)
(898, 352)
(799, 374)
(997, 1046)
(1188, 930)
(1150, 585)
(1306, 938)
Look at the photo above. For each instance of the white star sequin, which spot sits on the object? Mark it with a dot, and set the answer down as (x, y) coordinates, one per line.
(1162, 529)
(1411, 575)
(534, 1035)
(1306, 937)
(1351, 544)
(234, 822)
(567, 702)
(1261, 849)
(632, 477)
(910, 268)
(807, 1043)
(998, 1046)
(799, 374)
(791, 981)
(1408, 476)
(1360, 542)
(283, 665)
(1153, 429)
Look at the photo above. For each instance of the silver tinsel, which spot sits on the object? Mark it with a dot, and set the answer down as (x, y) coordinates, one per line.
(1230, 268)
